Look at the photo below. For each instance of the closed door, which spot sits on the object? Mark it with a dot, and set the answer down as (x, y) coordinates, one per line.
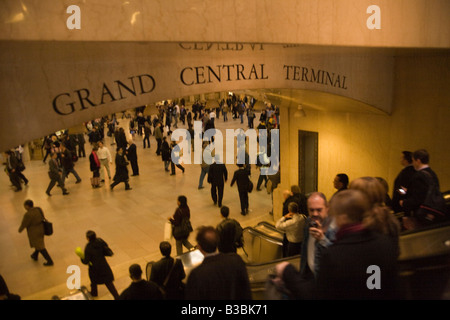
(308, 160)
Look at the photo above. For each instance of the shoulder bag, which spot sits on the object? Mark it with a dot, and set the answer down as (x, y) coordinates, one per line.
(48, 226)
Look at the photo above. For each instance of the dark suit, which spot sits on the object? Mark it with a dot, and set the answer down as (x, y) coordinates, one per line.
(217, 176)
(402, 180)
(121, 172)
(241, 177)
(221, 276)
(132, 157)
(99, 270)
(55, 174)
(141, 290)
(175, 286)
(344, 268)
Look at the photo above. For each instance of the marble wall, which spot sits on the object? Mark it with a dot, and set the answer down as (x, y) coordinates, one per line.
(402, 23)
(364, 144)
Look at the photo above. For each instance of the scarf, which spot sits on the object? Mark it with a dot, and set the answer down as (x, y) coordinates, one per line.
(349, 229)
(97, 162)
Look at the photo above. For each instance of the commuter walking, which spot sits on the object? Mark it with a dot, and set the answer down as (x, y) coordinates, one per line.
(105, 158)
(147, 134)
(131, 154)
(100, 272)
(206, 162)
(67, 164)
(165, 153)
(175, 156)
(55, 174)
(121, 170)
(81, 141)
(217, 176)
(241, 177)
(94, 163)
(32, 221)
(159, 137)
(13, 170)
(181, 225)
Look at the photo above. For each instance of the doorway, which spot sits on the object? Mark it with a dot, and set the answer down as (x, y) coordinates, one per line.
(308, 143)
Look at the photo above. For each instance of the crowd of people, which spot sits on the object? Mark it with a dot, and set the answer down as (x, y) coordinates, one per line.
(338, 239)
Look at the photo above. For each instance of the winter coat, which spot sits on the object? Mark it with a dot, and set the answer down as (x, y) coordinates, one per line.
(94, 255)
(32, 221)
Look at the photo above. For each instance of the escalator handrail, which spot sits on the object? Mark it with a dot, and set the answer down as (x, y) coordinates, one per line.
(276, 261)
(263, 235)
(270, 226)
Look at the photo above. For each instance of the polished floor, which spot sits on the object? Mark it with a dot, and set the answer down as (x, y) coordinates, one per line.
(131, 222)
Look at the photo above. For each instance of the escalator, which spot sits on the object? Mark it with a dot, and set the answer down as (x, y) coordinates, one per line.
(262, 243)
(424, 262)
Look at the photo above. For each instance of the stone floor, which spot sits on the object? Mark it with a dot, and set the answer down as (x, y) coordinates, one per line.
(131, 222)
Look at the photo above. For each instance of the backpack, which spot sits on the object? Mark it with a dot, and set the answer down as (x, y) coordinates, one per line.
(433, 209)
(231, 228)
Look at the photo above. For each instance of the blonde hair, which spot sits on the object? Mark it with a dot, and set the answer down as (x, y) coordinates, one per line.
(379, 218)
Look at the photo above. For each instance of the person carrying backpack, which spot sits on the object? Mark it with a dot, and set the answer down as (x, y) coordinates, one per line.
(230, 233)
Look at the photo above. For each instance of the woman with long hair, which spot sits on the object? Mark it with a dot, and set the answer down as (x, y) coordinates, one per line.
(380, 218)
(181, 225)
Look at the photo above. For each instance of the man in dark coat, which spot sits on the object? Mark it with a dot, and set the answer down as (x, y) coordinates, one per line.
(147, 134)
(94, 135)
(424, 179)
(217, 176)
(55, 174)
(241, 177)
(166, 153)
(220, 276)
(402, 181)
(230, 233)
(12, 167)
(158, 133)
(120, 137)
(132, 157)
(81, 141)
(161, 269)
(121, 170)
(67, 164)
(99, 270)
(139, 288)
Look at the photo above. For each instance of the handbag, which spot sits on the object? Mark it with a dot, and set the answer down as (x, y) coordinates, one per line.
(183, 229)
(250, 186)
(48, 226)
